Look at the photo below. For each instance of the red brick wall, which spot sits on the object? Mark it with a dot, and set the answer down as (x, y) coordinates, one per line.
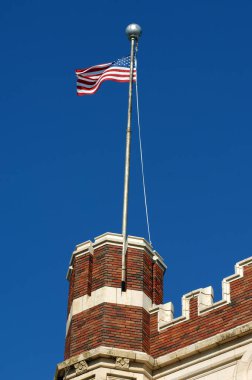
(103, 268)
(108, 325)
(158, 275)
(71, 291)
(80, 278)
(139, 271)
(83, 271)
(203, 326)
(107, 267)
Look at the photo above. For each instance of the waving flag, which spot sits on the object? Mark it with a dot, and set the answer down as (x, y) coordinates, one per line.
(90, 79)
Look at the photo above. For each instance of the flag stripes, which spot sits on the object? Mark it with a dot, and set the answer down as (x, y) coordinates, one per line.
(90, 79)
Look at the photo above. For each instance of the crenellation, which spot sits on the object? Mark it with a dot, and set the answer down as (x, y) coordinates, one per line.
(205, 297)
(166, 314)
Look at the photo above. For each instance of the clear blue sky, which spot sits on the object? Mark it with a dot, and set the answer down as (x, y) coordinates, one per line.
(62, 157)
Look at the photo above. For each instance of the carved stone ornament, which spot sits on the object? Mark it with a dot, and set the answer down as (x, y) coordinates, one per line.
(81, 367)
(122, 362)
(67, 369)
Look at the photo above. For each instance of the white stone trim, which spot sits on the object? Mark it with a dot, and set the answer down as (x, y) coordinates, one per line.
(205, 299)
(109, 294)
(202, 365)
(244, 367)
(133, 241)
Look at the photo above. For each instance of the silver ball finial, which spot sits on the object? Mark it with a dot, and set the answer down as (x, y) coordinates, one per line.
(133, 31)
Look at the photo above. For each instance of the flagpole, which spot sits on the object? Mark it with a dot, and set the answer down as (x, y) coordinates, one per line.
(133, 32)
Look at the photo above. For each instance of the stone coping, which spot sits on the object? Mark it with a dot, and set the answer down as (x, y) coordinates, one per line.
(114, 239)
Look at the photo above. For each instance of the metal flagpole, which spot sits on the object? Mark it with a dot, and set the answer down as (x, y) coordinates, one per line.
(133, 32)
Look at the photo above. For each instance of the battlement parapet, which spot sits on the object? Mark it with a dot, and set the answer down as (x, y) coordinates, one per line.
(202, 318)
(205, 299)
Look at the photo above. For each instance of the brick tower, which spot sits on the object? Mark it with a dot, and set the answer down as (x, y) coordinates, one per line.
(130, 335)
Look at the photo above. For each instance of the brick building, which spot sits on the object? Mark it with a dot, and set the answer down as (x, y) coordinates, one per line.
(132, 335)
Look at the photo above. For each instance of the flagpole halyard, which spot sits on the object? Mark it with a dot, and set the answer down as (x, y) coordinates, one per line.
(133, 32)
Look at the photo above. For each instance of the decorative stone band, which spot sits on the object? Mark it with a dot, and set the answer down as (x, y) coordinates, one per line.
(109, 294)
(222, 348)
(205, 299)
(114, 239)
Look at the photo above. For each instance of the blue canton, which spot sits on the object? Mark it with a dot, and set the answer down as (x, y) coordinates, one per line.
(122, 62)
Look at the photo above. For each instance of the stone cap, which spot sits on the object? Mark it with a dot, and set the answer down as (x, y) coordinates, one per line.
(115, 239)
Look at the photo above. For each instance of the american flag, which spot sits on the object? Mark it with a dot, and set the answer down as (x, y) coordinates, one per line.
(90, 79)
